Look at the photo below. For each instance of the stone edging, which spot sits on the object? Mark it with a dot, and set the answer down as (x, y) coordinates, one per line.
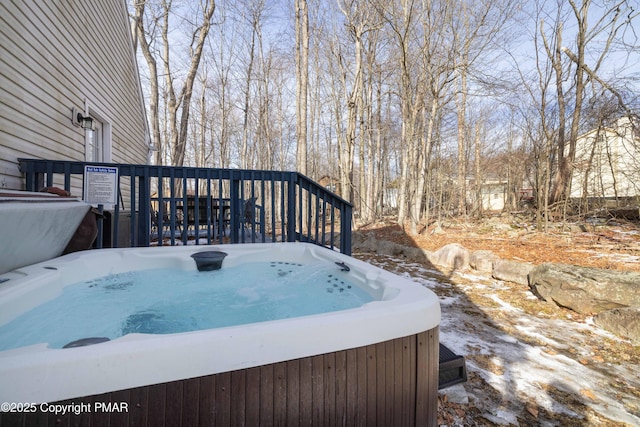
(452, 257)
(617, 309)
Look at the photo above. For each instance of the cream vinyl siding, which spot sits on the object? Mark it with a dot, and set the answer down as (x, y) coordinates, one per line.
(610, 162)
(60, 54)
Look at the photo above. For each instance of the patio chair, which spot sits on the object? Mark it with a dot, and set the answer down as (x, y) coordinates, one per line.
(252, 216)
(159, 229)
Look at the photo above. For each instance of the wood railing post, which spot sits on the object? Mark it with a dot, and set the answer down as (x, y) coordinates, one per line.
(291, 207)
(235, 209)
(345, 229)
(144, 206)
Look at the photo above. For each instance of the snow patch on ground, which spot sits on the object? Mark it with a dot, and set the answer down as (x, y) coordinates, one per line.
(525, 359)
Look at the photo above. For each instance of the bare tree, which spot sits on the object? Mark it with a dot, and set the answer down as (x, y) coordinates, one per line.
(179, 102)
(139, 13)
(399, 94)
(372, 171)
(302, 81)
(437, 58)
(613, 17)
(402, 19)
(476, 35)
(221, 120)
(359, 20)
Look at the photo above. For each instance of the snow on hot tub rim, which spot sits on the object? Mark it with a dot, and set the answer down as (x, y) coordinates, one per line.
(39, 373)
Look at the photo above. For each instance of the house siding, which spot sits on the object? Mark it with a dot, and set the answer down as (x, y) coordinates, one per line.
(56, 55)
(607, 162)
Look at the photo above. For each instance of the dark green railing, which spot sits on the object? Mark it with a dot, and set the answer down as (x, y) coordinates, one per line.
(165, 205)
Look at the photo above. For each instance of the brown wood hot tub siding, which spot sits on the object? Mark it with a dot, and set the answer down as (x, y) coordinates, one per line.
(392, 383)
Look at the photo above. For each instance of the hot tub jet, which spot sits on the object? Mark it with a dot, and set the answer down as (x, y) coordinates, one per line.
(343, 266)
(209, 260)
(86, 341)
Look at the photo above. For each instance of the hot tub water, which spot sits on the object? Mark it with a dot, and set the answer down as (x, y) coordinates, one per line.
(164, 301)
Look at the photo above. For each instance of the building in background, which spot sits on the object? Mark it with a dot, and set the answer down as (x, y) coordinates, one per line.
(607, 165)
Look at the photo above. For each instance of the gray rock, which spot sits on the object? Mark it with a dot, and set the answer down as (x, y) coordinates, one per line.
(512, 271)
(364, 242)
(585, 290)
(416, 254)
(624, 322)
(385, 247)
(482, 261)
(453, 255)
(368, 243)
(437, 229)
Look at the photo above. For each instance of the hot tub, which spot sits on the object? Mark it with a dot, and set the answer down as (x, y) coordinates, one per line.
(376, 364)
(36, 226)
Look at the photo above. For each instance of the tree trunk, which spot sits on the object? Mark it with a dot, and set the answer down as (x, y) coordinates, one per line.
(153, 79)
(244, 151)
(462, 144)
(302, 79)
(184, 99)
(478, 174)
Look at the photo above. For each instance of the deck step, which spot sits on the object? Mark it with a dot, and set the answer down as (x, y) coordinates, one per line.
(453, 369)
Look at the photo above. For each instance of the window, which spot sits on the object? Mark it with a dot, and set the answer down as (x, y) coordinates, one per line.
(98, 141)
(94, 144)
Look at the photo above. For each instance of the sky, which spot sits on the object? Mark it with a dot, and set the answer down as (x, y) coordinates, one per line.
(503, 89)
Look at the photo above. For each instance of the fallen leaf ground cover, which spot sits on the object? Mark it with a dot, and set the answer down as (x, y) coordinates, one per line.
(529, 362)
(612, 244)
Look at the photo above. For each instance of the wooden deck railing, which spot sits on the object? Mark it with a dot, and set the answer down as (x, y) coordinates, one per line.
(165, 205)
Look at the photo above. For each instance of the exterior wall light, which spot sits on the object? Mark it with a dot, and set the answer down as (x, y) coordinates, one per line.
(80, 120)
